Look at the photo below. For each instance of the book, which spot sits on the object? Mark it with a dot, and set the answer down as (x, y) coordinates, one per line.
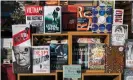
(102, 19)
(69, 22)
(21, 57)
(80, 54)
(119, 35)
(34, 17)
(6, 48)
(41, 59)
(96, 56)
(84, 18)
(129, 53)
(107, 3)
(52, 19)
(128, 74)
(72, 72)
(114, 59)
(118, 16)
(59, 56)
(21, 35)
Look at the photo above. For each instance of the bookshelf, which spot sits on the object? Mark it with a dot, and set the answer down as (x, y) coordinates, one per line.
(70, 35)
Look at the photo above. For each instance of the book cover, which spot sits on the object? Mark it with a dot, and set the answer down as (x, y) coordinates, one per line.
(52, 19)
(84, 18)
(118, 16)
(41, 59)
(102, 19)
(72, 72)
(21, 35)
(69, 21)
(21, 57)
(107, 3)
(119, 34)
(59, 56)
(128, 74)
(6, 48)
(114, 59)
(96, 56)
(80, 54)
(34, 17)
(129, 53)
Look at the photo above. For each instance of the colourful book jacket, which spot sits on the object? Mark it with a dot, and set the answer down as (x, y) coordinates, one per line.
(129, 53)
(84, 18)
(72, 72)
(52, 19)
(41, 59)
(102, 19)
(96, 56)
(21, 58)
(59, 56)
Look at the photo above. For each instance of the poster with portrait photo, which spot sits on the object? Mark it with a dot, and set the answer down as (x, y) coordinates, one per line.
(129, 53)
(21, 57)
(119, 35)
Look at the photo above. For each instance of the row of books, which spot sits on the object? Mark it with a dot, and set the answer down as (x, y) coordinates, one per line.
(39, 59)
(54, 19)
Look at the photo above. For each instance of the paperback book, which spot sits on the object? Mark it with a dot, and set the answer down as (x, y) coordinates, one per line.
(96, 56)
(72, 72)
(119, 34)
(21, 57)
(59, 56)
(84, 18)
(52, 19)
(114, 59)
(129, 53)
(128, 74)
(41, 59)
(21, 35)
(34, 17)
(6, 48)
(118, 16)
(80, 54)
(102, 19)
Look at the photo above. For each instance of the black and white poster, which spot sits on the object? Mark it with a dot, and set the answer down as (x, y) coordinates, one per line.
(129, 53)
(119, 34)
(21, 59)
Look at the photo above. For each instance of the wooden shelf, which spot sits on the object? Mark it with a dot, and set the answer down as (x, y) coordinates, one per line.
(117, 76)
(36, 74)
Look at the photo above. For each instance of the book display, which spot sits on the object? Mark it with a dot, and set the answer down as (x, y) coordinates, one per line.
(63, 40)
